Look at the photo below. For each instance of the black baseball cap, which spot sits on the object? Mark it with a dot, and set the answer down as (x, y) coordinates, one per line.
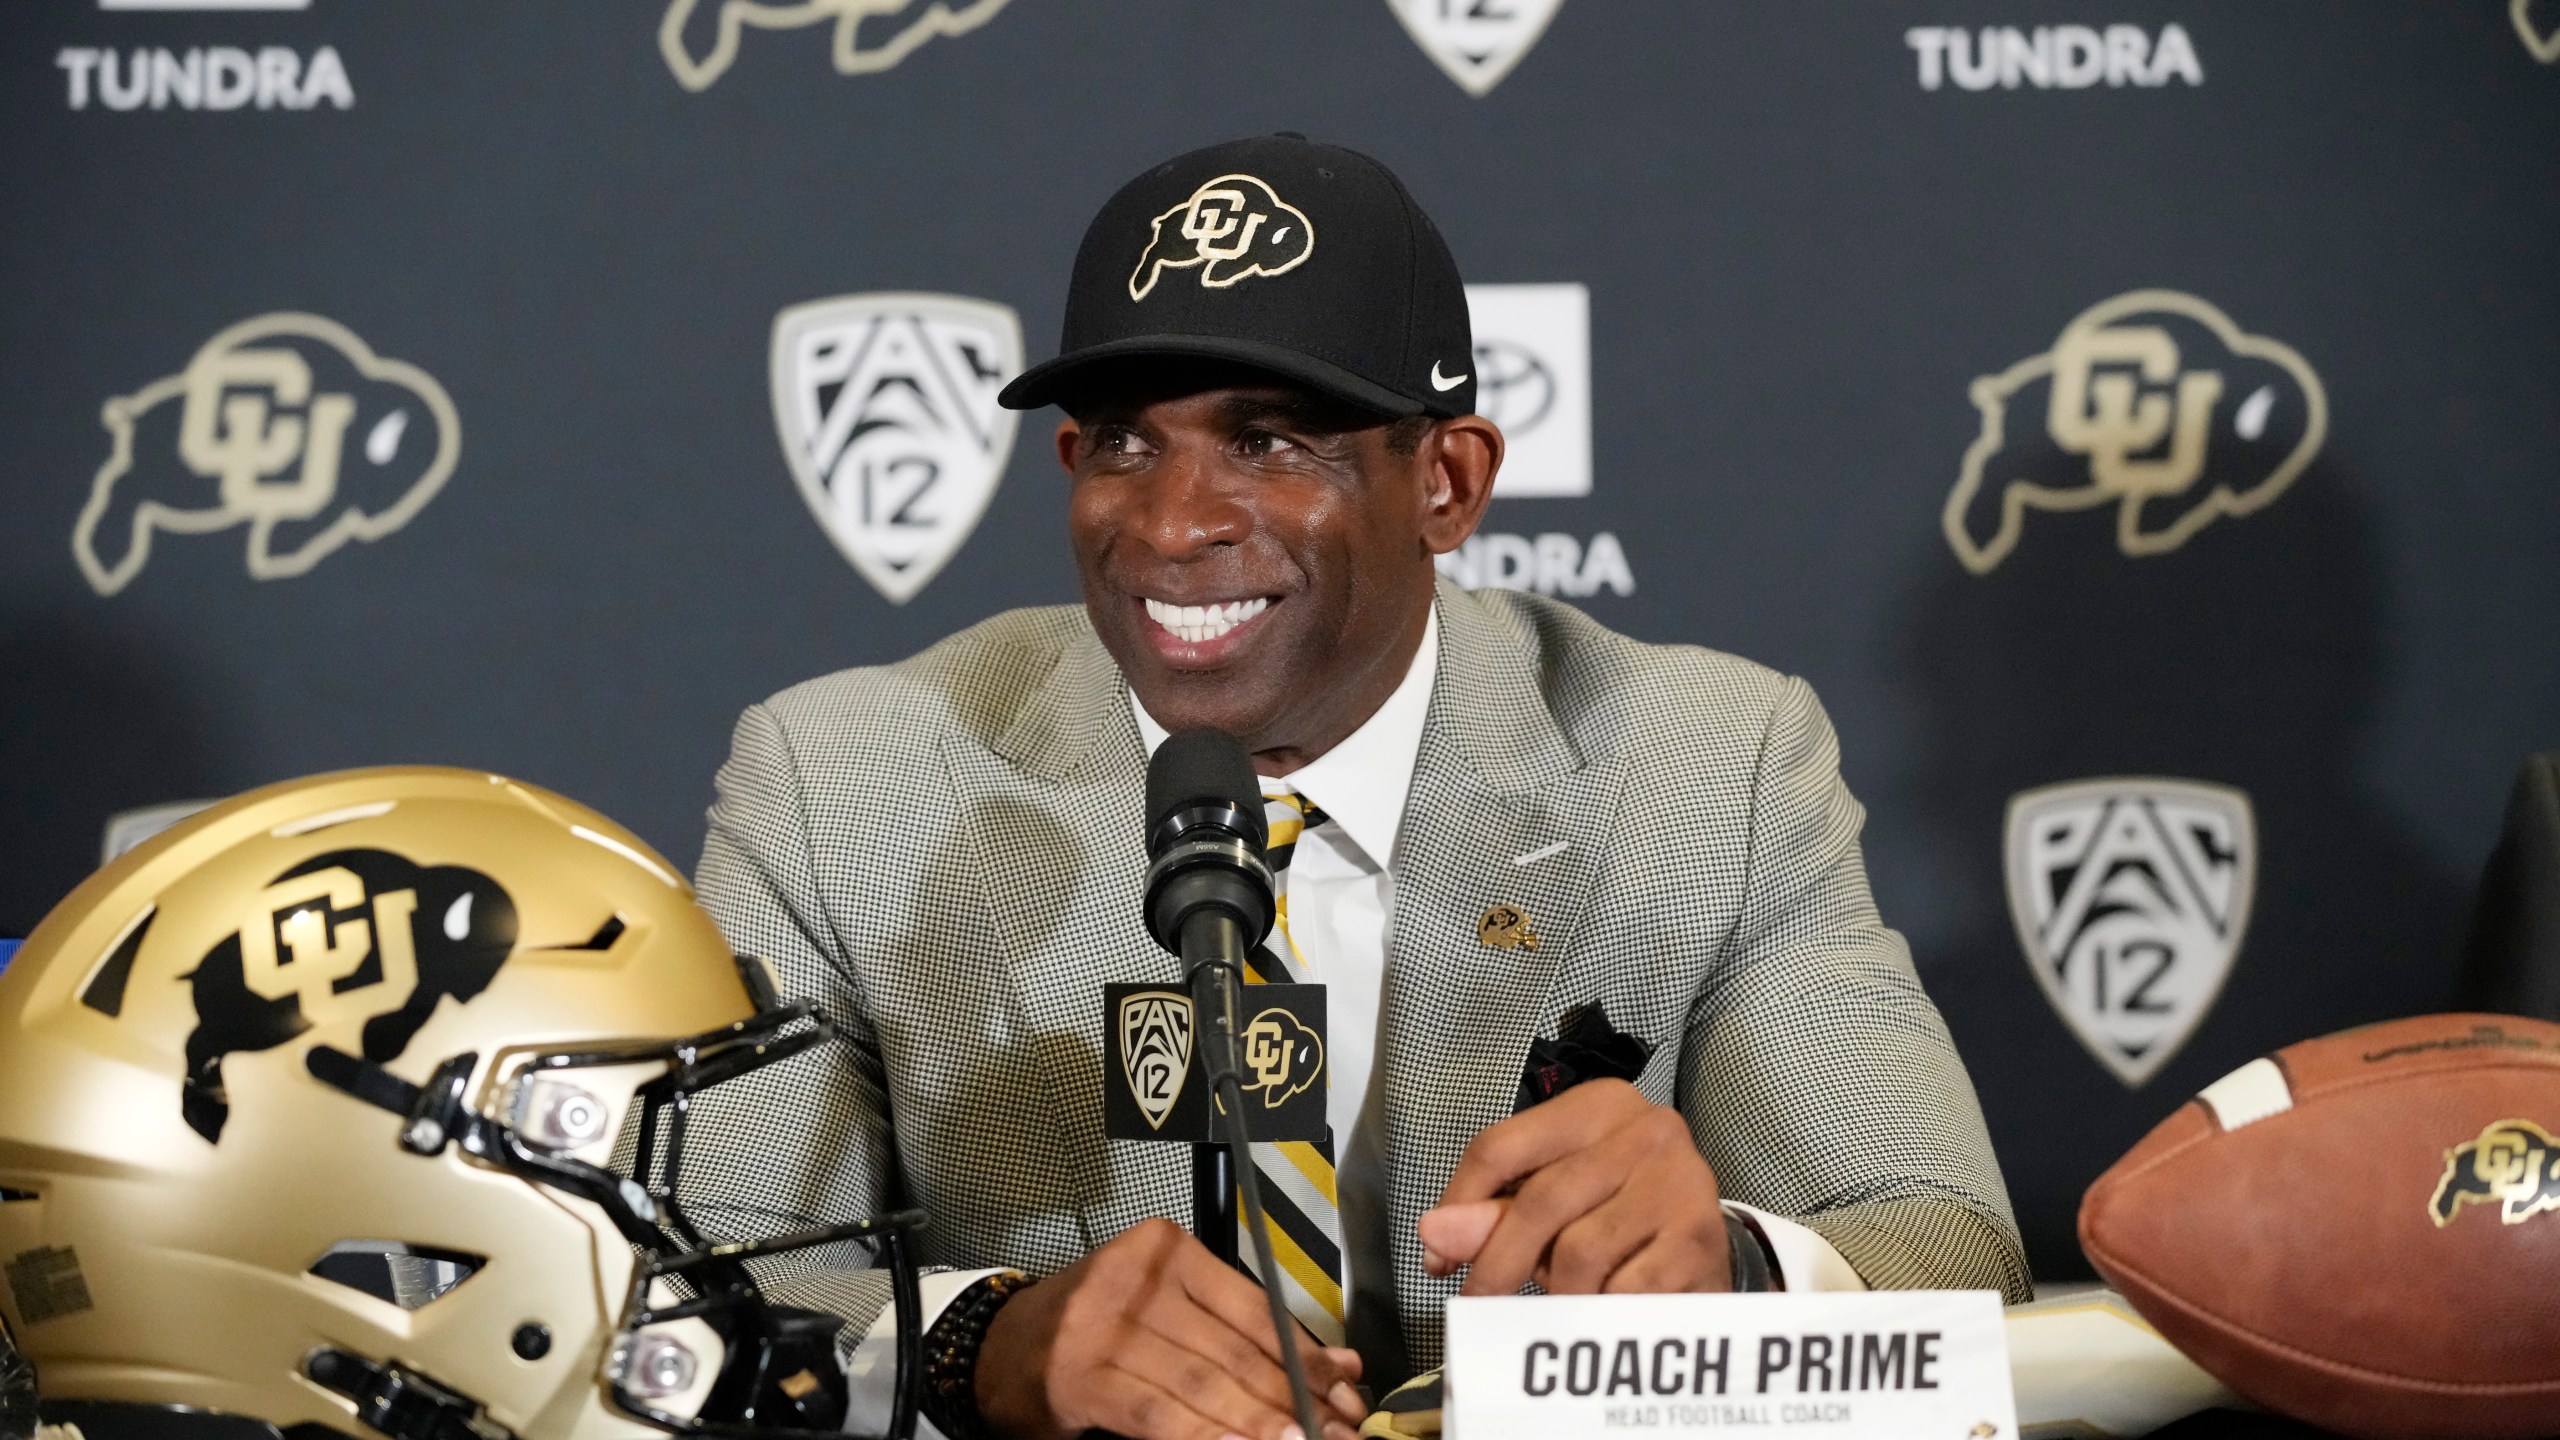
(1309, 261)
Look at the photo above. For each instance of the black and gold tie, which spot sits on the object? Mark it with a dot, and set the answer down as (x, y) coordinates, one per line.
(1298, 1194)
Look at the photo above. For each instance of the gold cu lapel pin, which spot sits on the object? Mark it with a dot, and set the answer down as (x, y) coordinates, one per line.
(1506, 927)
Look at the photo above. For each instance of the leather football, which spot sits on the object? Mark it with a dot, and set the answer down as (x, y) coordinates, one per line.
(2361, 1231)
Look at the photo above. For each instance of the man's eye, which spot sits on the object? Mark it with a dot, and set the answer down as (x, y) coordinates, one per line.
(1259, 443)
(1117, 440)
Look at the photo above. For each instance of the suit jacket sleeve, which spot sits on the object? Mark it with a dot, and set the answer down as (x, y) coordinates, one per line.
(805, 1142)
(1818, 1077)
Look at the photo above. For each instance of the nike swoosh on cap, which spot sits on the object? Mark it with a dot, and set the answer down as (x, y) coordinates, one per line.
(1445, 382)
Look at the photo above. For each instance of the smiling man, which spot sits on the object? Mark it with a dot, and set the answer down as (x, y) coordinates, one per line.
(1611, 1008)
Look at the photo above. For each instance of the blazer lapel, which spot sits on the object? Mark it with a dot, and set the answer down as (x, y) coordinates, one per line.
(1056, 806)
(1503, 812)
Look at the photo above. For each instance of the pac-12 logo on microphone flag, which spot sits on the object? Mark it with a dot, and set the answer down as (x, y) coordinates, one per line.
(2131, 896)
(887, 409)
(1475, 42)
(1155, 1050)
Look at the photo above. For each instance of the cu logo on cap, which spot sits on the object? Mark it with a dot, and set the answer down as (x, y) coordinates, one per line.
(1232, 228)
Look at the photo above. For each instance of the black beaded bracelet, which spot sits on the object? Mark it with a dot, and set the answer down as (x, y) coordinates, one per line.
(951, 1355)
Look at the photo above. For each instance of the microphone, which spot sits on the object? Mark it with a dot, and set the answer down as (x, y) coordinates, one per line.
(1209, 902)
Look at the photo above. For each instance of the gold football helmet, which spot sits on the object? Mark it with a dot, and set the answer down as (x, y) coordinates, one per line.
(358, 1103)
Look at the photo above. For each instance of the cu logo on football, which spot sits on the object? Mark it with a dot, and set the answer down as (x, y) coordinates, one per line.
(287, 424)
(2130, 898)
(887, 409)
(2154, 403)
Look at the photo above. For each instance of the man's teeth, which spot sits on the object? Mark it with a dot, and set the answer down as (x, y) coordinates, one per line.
(1198, 623)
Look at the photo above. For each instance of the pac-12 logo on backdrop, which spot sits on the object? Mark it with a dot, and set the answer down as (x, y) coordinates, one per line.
(1533, 378)
(2538, 25)
(2153, 402)
(286, 423)
(887, 408)
(2131, 896)
(1476, 42)
(870, 35)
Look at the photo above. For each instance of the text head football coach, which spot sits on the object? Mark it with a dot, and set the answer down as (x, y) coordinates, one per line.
(1518, 849)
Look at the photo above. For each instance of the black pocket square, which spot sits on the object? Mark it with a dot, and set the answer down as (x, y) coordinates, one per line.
(1586, 1047)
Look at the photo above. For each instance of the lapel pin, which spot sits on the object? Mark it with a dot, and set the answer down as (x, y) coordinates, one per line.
(1506, 927)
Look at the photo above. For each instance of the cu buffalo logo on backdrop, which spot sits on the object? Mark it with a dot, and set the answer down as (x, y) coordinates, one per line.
(1475, 42)
(870, 35)
(1230, 229)
(2152, 402)
(2512, 1168)
(886, 404)
(286, 423)
(2130, 898)
(2538, 25)
(359, 945)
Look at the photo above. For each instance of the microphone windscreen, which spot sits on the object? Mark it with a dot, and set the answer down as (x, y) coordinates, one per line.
(1203, 767)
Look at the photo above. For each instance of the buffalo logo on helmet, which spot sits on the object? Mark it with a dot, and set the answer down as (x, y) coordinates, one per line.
(2130, 897)
(871, 35)
(358, 945)
(1475, 42)
(286, 423)
(1285, 1055)
(1230, 229)
(886, 405)
(2152, 402)
(1155, 1050)
(2514, 1166)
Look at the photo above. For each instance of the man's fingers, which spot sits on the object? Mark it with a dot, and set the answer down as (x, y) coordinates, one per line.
(1671, 1265)
(1553, 1198)
(1222, 1402)
(1240, 1306)
(1588, 1250)
(1452, 1235)
(1501, 1154)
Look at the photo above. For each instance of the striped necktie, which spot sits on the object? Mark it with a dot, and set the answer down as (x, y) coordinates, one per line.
(1298, 1194)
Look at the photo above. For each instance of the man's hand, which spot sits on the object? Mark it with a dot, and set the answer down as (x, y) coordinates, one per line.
(1153, 1338)
(1598, 1190)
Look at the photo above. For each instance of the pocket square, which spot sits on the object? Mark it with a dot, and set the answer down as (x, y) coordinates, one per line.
(1586, 1047)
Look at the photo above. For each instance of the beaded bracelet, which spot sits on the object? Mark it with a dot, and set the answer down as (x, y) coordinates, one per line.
(951, 1354)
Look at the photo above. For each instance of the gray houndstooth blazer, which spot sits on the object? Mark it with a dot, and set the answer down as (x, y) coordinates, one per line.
(948, 854)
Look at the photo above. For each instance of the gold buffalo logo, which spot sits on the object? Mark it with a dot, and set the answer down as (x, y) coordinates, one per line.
(256, 427)
(2153, 402)
(2541, 36)
(1284, 1055)
(1233, 228)
(2514, 1165)
(903, 25)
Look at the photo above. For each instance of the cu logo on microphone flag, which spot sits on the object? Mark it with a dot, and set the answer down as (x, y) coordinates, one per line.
(886, 404)
(2131, 896)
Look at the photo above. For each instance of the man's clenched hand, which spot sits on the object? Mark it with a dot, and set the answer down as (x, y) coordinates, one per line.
(1153, 1338)
(1598, 1190)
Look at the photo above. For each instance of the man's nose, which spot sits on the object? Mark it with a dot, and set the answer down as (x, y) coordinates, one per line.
(1192, 506)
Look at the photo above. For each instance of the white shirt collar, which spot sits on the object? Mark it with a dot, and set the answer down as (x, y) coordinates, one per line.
(1363, 781)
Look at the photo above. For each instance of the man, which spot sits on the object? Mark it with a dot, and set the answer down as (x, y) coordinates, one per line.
(1511, 836)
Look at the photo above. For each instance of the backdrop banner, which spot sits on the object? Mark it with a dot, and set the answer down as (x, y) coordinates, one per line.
(2139, 421)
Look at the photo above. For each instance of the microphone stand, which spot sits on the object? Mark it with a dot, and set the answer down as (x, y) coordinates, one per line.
(1213, 947)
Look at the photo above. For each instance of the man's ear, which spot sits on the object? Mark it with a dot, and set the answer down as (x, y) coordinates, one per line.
(1460, 459)
(1068, 433)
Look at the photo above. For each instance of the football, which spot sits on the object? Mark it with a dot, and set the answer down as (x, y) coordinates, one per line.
(2361, 1231)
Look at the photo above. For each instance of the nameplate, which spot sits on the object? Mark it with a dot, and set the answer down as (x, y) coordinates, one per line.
(1156, 1088)
(1892, 1365)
